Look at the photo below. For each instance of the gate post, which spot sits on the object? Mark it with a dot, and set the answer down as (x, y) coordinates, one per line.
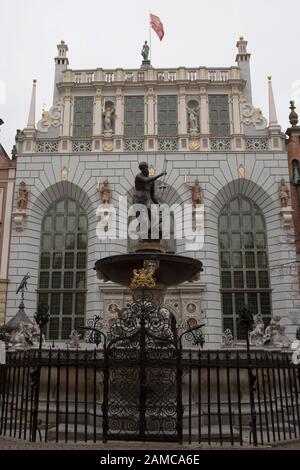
(35, 376)
(142, 420)
(179, 394)
(246, 320)
(105, 396)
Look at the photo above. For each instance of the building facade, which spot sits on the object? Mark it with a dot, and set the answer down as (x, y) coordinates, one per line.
(201, 127)
(7, 183)
(293, 147)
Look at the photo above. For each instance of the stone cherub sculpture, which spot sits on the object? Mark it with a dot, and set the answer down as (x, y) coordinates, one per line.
(22, 196)
(273, 335)
(276, 332)
(25, 336)
(74, 339)
(257, 336)
(284, 193)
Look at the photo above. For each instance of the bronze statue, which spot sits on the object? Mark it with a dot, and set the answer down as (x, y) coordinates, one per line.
(144, 186)
(23, 285)
(145, 190)
(145, 51)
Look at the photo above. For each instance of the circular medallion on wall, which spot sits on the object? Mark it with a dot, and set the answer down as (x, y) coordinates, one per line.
(191, 308)
(113, 308)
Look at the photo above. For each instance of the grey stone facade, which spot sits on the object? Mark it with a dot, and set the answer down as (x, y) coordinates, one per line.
(218, 176)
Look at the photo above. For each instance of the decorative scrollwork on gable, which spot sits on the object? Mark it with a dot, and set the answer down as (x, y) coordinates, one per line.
(252, 115)
(51, 118)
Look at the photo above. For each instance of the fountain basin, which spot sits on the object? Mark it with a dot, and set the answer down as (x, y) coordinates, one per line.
(173, 269)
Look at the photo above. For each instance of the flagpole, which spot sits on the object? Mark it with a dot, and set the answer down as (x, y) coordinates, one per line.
(150, 36)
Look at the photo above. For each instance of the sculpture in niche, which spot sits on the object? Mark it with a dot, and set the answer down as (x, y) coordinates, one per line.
(193, 109)
(22, 197)
(105, 192)
(196, 194)
(145, 51)
(284, 193)
(108, 114)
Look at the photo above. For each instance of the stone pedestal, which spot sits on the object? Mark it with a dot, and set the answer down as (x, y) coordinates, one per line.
(19, 217)
(286, 214)
(146, 64)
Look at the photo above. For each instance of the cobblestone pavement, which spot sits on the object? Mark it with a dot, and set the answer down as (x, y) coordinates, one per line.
(13, 444)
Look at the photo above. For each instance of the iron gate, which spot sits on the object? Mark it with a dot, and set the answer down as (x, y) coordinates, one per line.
(142, 378)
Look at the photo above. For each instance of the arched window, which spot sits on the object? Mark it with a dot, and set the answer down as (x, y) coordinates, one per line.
(63, 261)
(296, 172)
(243, 263)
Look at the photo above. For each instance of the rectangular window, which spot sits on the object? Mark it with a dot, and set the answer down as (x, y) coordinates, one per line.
(134, 116)
(83, 117)
(219, 115)
(167, 116)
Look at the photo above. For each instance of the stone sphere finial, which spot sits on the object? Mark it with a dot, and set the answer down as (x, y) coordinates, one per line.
(293, 117)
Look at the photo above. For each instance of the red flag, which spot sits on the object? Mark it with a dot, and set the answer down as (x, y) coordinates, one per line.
(157, 25)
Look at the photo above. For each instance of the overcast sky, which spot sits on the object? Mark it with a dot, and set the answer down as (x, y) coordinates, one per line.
(109, 34)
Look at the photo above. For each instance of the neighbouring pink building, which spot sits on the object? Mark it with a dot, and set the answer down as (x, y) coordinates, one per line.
(7, 184)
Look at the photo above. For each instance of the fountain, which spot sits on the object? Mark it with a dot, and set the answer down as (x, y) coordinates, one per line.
(149, 267)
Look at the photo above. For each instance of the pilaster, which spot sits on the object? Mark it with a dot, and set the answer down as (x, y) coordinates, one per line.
(119, 123)
(182, 118)
(97, 130)
(66, 125)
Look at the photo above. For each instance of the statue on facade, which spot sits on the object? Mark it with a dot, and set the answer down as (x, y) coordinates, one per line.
(105, 192)
(284, 193)
(196, 194)
(193, 119)
(22, 196)
(108, 114)
(144, 192)
(145, 51)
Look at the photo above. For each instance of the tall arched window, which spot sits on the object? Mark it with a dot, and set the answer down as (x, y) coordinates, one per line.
(243, 263)
(63, 261)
